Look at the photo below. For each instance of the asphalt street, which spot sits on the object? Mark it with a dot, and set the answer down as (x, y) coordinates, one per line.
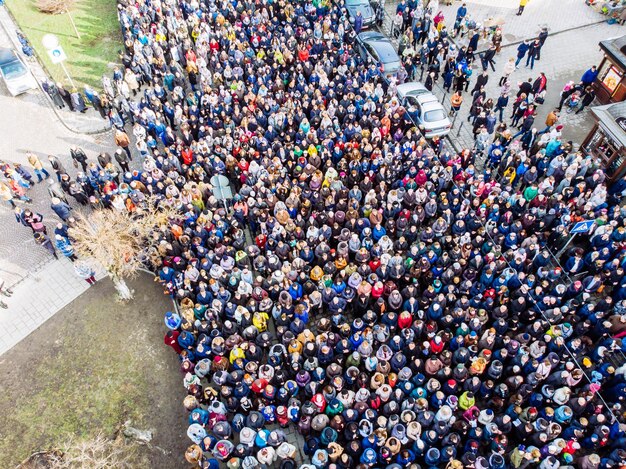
(575, 30)
(29, 124)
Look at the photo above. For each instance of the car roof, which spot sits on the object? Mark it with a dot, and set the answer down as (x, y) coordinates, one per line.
(413, 87)
(370, 36)
(384, 48)
(427, 98)
(430, 105)
(7, 55)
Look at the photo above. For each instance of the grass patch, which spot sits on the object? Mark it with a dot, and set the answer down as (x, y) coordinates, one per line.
(90, 368)
(88, 57)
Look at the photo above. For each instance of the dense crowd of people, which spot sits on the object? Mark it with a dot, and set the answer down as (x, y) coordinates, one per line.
(399, 304)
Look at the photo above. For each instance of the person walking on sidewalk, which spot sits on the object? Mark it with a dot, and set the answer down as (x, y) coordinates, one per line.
(122, 160)
(509, 68)
(43, 240)
(6, 194)
(37, 166)
(455, 103)
(533, 53)
(543, 35)
(522, 49)
(85, 271)
(551, 119)
(65, 246)
(58, 167)
(589, 76)
(481, 81)
(62, 209)
(522, 5)
(496, 40)
(122, 141)
(79, 157)
(588, 96)
(501, 104)
(487, 58)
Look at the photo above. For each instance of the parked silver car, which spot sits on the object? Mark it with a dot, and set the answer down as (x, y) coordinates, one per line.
(15, 73)
(425, 109)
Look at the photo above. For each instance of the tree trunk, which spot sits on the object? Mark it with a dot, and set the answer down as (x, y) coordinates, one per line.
(124, 292)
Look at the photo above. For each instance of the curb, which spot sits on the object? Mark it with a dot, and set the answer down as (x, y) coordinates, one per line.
(18, 50)
(532, 38)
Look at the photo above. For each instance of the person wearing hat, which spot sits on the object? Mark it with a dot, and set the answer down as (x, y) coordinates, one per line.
(353, 215)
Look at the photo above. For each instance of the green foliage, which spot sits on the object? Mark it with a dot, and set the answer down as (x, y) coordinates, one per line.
(88, 57)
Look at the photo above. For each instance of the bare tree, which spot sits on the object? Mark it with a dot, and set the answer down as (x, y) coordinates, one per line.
(98, 452)
(120, 241)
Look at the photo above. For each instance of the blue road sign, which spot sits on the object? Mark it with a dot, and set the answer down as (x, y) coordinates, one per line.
(582, 226)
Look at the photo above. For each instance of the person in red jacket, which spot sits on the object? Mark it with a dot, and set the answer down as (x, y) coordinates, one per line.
(303, 54)
(171, 339)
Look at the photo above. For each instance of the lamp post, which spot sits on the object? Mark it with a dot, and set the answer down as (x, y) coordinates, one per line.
(56, 53)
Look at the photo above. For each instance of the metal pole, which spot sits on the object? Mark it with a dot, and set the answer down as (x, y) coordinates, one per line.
(456, 113)
(67, 75)
(73, 24)
(558, 254)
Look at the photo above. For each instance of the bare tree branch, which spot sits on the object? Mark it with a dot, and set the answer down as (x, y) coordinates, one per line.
(119, 240)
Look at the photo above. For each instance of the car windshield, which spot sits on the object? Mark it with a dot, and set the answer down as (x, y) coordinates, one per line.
(13, 69)
(434, 115)
(386, 52)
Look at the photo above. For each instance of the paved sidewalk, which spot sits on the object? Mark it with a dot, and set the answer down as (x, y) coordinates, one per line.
(559, 67)
(571, 48)
(556, 15)
(88, 123)
(37, 298)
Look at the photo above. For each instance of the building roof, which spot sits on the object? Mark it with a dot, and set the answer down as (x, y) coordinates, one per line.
(616, 50)
(613, 118)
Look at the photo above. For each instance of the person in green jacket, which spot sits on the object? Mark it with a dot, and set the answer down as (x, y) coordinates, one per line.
(531, 192)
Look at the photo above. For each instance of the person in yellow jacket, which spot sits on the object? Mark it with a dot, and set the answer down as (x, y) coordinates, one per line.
(522, 5)
(509, 174)
(466, 400)
(6, 194)
(259, 320)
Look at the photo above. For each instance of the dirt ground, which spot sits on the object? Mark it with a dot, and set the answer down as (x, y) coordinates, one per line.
(94, 365)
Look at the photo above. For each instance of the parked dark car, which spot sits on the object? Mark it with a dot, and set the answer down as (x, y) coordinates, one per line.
(376, 47)
(367, 12)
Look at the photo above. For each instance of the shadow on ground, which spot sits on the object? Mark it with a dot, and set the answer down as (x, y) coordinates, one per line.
(90, 368)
